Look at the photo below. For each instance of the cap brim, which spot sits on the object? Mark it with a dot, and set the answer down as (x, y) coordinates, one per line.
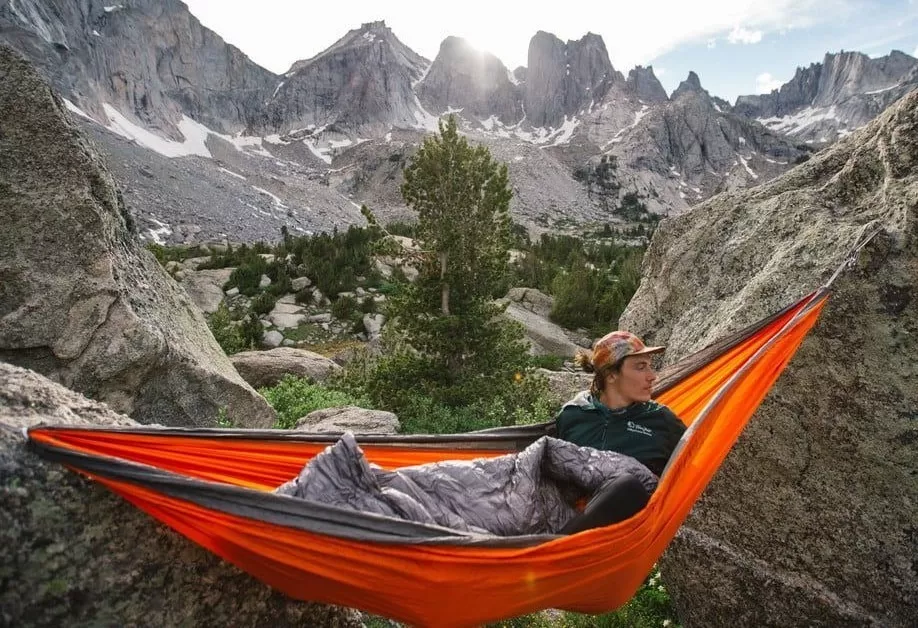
(647, 350)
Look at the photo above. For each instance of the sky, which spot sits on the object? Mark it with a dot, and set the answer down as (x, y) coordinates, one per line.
(735, 46)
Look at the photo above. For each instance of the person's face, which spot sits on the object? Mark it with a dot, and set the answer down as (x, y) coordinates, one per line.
(634, 382)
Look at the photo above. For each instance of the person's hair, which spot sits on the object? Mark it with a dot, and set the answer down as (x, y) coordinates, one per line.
(584, 360)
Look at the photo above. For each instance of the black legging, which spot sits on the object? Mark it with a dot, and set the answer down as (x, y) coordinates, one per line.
(615, 501)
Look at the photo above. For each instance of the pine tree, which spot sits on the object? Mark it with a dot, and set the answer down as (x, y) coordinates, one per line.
(462, 197)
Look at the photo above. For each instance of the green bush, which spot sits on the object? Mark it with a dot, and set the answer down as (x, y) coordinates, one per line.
(251, 331)
(279, 275)
(166, 254)
(335, 260)
(344, 308)
(294, 397)
(590, 281)
(227, 334)
(427, 400)
(550, 362)
(263, 303)
(247, 275)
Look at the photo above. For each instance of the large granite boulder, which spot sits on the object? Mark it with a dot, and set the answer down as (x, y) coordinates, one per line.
(532, 299)
(544, 337)
(205, 287)
(267, 368)
(81, 301)
(75, 554)
(811, 520)
(564, 385)
(349, 418)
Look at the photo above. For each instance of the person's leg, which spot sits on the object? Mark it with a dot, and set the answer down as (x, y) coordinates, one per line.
(616, 501)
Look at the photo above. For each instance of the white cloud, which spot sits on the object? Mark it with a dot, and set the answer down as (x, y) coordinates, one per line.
(659, 72)
(765, 83)
(740, 35)
(712, 43)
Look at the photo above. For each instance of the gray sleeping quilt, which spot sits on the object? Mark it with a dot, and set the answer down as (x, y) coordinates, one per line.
(530, 492)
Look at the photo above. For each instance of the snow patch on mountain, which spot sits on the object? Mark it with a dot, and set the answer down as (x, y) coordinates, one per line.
(195, 135)
(795, 123)
(73, 108)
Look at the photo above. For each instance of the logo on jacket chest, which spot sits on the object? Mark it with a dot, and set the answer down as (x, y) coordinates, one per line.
(634, 428)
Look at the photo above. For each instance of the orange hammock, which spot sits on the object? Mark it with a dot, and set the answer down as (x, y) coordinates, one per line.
(214, 486)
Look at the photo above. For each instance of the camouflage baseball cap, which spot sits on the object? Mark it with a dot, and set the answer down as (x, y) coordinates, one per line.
(618, 345)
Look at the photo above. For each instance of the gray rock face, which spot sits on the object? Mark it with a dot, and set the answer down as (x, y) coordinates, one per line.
(564, 385)
(83, 556)
(826, 99)
(150, 59)
(562, 79)
(267, 368)
(205, 287)
(692, 84)
(811, 518)
(82, 301)
(683, 151)
(362, 83)
(349, 418)
(477, 82)
(645, 85)
(544, 336)
(533, 300)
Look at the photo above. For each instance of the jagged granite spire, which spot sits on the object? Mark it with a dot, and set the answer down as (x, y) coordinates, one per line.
(562, 79)
(644, 83)
(476, 81)
(362, 82)
(691, 84)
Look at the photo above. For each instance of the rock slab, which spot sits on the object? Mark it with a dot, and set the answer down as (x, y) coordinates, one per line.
(810, 521)
(75, 554)
(81, 300)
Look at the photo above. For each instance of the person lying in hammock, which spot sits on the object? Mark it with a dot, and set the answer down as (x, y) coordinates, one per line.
(617, 414)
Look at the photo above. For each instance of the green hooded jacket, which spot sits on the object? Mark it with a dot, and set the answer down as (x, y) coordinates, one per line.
(646, 431)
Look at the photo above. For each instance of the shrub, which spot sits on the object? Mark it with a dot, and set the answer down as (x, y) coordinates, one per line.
(263, 303)
(247, 275)
(251, 331)
(295, 397)
(226, 333)
(344, 308)
(550, 362)
(304, 296)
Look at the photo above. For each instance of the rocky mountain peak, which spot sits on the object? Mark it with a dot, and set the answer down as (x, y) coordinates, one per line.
(477, 82)
(832, 98)
(361, 83)
(150, 60)
(692, 84)
(563, 78)
(369, 35)
(645, 84)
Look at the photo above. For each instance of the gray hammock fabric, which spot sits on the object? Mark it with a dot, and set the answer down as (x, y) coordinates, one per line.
(529, 492)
